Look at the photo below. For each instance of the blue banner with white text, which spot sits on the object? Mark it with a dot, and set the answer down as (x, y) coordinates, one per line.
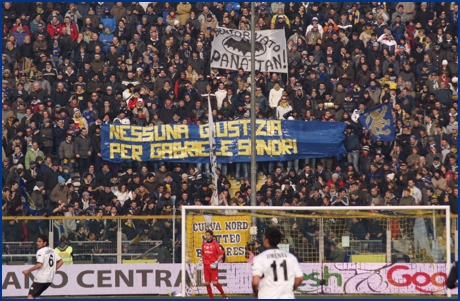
(276, 140)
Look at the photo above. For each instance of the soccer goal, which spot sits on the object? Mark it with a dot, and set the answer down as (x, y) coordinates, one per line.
(362, 250)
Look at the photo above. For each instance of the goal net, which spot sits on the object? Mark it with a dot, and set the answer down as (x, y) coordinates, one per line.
(342, 250)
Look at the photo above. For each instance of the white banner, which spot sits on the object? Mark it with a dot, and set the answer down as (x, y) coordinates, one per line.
(231, 49)
(142, 279)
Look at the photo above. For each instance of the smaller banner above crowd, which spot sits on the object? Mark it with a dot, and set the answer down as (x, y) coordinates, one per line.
(231, 232)
(231, 49)
(276, 140)
(379, 121)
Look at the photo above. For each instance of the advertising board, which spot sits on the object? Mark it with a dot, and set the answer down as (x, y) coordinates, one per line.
(133, 279)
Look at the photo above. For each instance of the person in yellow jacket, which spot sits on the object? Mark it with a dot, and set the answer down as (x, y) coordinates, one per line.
(65, 251)
(278, 15)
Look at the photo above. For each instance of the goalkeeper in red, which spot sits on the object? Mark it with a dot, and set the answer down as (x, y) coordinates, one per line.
(211, 254)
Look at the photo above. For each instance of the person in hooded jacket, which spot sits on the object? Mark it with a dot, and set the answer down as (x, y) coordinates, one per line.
(108, 20)
(37, 196)
(106, 37)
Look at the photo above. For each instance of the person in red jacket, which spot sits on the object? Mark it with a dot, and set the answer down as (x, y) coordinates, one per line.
(211, 254)
(71, 28)
(54, 27)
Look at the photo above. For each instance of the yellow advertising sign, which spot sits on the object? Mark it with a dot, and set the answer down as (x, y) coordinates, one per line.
(232, 232)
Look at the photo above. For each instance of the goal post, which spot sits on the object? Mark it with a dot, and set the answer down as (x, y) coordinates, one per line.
(402, 250)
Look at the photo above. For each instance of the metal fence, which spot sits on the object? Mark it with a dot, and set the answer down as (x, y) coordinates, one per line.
(16, 253)
(105, 247)
(140, 248)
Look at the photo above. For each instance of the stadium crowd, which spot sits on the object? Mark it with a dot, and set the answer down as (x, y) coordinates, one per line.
(69, 68)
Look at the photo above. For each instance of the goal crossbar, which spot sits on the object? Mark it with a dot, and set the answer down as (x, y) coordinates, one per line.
(308, 208)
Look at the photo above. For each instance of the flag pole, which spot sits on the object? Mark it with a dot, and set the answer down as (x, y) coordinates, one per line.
(212, 153)
(253, 110)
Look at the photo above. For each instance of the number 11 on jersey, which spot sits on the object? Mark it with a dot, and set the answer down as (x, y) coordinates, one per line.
(275, 274)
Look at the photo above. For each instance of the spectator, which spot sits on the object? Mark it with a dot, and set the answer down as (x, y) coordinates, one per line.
(83, 150)
(108, 20)
(32, 154)
(60, 194)
(283, 110)
(406, 199)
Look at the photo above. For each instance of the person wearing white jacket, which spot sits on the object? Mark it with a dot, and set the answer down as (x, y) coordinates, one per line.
(283, 108)
(387, 39)
(220, 94)
(274, 97)
(128, 93)
(310, 27)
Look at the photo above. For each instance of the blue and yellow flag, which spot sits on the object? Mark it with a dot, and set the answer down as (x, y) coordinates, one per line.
(379, 121)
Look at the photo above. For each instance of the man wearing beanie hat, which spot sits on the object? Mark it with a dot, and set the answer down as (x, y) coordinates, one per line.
(209, 23)
(177, 173)
(161, 25)
(60, 194)
(437, 55)
(108, 20)
(61, 180)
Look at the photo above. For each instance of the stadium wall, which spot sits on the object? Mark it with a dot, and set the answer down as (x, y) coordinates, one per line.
(142, 279)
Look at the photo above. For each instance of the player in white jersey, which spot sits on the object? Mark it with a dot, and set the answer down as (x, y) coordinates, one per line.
(48, 261)
(275, 274)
